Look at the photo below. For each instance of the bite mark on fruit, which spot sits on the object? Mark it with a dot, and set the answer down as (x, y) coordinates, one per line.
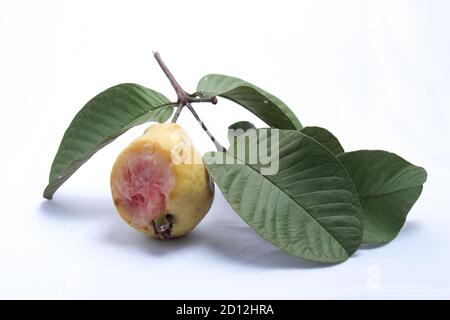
(142, 187)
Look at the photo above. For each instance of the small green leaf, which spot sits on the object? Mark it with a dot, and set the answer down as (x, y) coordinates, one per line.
(267, 107)
(99, 122)
(244, 125)
(233, 130)
(388, 187)
(309, 207)
(324, 137)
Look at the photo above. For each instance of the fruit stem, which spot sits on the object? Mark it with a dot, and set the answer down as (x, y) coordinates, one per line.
(177, 113)
(185, 99)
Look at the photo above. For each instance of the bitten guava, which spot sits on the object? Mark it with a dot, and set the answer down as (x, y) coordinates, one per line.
(159, 183)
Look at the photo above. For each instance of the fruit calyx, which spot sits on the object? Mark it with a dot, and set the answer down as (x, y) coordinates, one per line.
(162, 227)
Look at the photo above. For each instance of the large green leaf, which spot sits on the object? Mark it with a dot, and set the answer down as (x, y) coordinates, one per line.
(99, 122)
(388, 187)
(309, 207)
(267, 107)
(324, 137)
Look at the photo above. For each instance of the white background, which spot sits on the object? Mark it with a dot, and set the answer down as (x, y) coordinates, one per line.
(376, 73)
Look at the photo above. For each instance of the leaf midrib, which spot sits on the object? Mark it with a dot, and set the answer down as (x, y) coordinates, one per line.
(293, 127)
(371, 196)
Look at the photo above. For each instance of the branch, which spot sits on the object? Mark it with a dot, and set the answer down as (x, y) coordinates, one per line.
(180, 92)
(185, 99)
(182, 95)
(213, 100)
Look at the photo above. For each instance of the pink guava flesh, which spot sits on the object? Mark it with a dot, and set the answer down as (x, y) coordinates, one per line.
(142, 187)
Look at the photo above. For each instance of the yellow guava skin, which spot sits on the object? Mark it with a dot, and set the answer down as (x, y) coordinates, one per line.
(191, 189)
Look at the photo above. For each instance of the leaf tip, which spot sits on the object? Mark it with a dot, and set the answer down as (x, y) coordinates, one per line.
(424, 174)
(48, 194)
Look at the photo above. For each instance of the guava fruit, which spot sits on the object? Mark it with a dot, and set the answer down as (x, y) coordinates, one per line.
(159, 184)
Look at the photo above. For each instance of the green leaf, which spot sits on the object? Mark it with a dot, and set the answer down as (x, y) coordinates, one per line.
(267, 107)
(244, 125)
(308, 208)
(233, 130)
(388, 187)
(99, 122)
(324, 137)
